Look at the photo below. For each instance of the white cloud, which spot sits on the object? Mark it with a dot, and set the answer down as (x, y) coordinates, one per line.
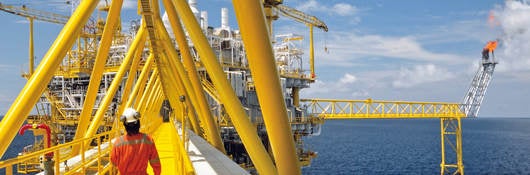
(341, 9)
(130, 4)
(344, 9)
(514, 51)
(127, 4)
(420, 74)
(348, 79)
(344, 47)
(344, 85)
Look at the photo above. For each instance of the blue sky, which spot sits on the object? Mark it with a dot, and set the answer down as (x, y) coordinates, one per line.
(393, 50)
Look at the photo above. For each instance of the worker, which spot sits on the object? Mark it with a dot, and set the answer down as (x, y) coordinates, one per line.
(489, 48)
(132, 151)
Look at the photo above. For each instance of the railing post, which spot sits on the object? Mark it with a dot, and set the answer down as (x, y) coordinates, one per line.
(57, 161)
(9, 170)
(442, 141)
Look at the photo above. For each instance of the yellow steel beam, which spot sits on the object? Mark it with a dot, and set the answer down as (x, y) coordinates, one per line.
(168, 76)
(212, 131)
(213, 135)
(141, 82)
(180, 81)
(118, 78)
(311, 52)
(24, 103)
(244, 127)
(451, 135)
(31, 50)
(349, 109)
(153, 81)
(97, 72)
(132, 76)
(254, 32)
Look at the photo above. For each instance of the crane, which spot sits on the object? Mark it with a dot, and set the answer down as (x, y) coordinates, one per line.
(274, 7)
(33, 14)
(310, 21)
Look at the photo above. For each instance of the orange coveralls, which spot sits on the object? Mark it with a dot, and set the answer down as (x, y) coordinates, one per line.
(131, 154)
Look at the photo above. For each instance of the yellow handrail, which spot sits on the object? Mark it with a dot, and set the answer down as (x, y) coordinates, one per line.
(363, 109)
(8, 164)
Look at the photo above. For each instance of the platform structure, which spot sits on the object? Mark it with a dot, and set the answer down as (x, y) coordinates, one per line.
(449, 114)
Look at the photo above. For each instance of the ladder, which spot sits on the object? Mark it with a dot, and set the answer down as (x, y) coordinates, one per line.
(478, 87)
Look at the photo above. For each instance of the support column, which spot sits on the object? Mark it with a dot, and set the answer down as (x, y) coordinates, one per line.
(311, 53)
(451, 136)
(31, 50)
(262, 64)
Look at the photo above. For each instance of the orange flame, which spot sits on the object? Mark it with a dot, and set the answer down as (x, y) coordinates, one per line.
(491, 46)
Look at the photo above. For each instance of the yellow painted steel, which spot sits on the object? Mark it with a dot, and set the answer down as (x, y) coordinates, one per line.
(451, 136)
(170, 77)
(116, 82)
(80, 167)
(141, 82)
(132, 75)
(311, 52)
(170, 148)
(153, 86)
(449, 113)
(254, 33)
(178, 80)
(23, 104)
(349, 109)
(31, 50)
(239, 118)
(211, 129)
(213, 135)
(97, 72)
(151, 83)
(296, 96)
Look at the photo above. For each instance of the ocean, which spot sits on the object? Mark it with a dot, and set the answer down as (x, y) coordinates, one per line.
(405, 146)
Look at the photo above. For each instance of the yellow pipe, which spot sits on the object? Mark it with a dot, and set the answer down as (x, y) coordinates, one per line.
(311, 53)
(442, 141)
(270, 18)
(28, 97)
(31, 50)
(296, 96)
(153, 83)
(167, 67)
(116, 82)
(211, 128)
(132, 75)
(267, 81)
(151, 96)
(459, 154)
(182, 90)
(140, 83)
(244, 127)
(97, 72)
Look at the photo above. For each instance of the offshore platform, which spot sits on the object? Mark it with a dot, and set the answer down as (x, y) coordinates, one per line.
(216, 100)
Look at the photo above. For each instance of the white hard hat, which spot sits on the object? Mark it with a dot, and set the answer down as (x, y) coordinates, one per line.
(130, 115)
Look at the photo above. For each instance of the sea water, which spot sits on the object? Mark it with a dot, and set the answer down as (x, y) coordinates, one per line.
(405, 146)
(412, 146)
